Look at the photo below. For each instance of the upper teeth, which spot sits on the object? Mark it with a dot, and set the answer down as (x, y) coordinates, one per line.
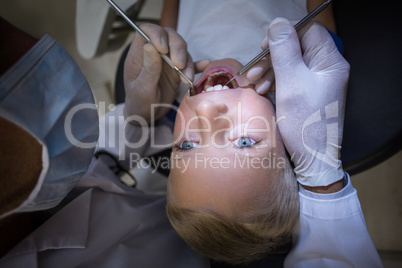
(217, 87)
(218, 73)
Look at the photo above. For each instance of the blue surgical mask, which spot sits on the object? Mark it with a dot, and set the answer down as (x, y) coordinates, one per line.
(46, 94)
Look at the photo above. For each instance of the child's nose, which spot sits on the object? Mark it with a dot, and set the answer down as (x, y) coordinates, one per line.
(211, 116)
(210, 109)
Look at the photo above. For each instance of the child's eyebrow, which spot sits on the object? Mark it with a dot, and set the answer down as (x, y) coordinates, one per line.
(181, 156)
(183, 153)
(253, 154)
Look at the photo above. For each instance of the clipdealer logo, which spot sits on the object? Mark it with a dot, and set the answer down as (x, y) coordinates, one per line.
(332, 149)
(114, 128)
(115, 137)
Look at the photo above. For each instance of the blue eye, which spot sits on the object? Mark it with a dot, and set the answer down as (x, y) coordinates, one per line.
(187, 145)
(244, 142)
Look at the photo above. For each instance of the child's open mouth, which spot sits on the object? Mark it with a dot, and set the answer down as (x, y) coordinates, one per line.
(215, 81)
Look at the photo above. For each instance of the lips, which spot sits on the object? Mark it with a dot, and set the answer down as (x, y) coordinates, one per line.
(218, 75)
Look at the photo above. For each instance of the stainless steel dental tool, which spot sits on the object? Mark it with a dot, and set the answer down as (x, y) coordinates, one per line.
(265, 52)
(163, 56)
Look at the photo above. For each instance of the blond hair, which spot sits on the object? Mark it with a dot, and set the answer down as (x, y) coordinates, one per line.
(268, 224)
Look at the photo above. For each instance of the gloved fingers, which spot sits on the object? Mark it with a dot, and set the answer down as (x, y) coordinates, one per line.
(167, 40)
(284, 44)
(150, 72)
(199, 67)
(189, 70)
(152, 63)
(158, 36)
(272, 88)
(259, 69)
(266, 83)
(263, 74)
(178, 50)
(265, 43)
(134, 60)
(320, 52)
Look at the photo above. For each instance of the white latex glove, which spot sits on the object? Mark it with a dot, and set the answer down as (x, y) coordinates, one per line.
(263, 74)
(150, 80)
(311, 79)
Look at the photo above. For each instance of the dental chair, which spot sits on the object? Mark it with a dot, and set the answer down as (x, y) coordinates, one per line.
(370, 31)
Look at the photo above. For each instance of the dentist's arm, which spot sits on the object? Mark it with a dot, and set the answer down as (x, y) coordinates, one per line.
(326, 17)
(170, 13)
(311, 79)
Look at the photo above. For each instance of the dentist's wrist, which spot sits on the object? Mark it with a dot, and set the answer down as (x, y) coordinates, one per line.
(332, 188)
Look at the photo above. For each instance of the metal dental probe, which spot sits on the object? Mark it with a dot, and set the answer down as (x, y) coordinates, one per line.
(265, 52)
(163, 56)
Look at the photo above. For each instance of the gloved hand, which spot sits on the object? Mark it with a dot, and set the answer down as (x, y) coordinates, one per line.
(311, 78)
(262, 74)
(148, 79)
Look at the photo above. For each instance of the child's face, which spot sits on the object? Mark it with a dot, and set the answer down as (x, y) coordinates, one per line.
(226, 145)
